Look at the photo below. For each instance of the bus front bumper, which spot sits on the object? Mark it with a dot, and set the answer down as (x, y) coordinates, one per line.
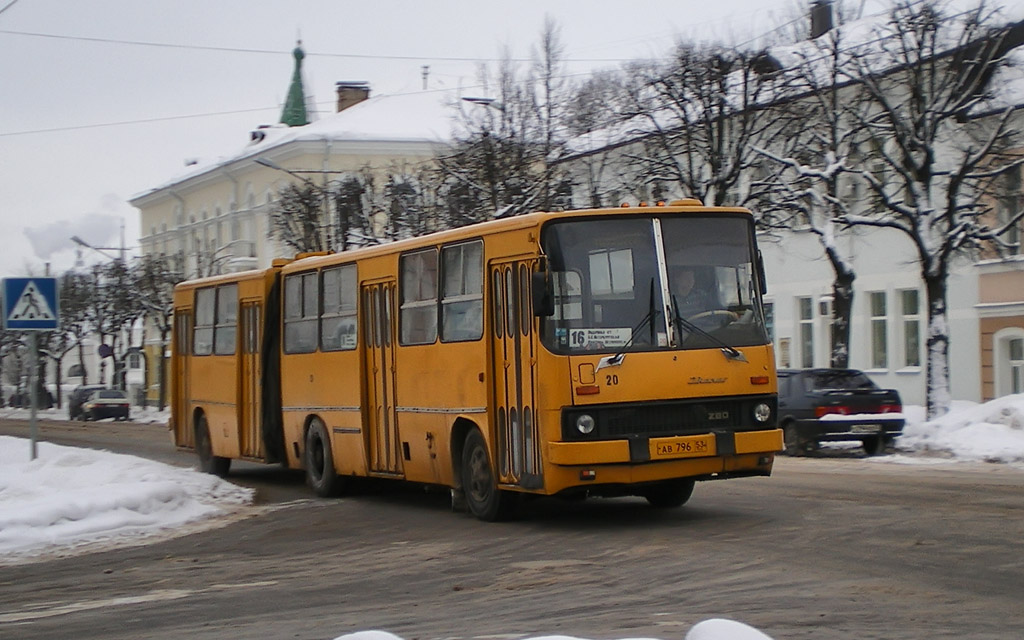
(639, 460)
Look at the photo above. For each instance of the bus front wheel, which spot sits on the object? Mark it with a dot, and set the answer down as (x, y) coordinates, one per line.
(483, 497)
(320, 474)
(670, 494)
(209, 463)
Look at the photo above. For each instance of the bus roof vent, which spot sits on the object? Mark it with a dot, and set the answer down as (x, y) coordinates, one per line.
(280, 262)
(686, 202)
(310, 254)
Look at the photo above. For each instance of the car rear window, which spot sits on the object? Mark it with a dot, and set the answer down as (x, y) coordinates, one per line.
(111, 394)
(840, 380)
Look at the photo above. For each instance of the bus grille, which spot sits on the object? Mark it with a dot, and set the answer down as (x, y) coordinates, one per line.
(673, 418)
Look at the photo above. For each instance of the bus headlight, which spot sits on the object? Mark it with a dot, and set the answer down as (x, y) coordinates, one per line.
(585, 424)
(762, 412)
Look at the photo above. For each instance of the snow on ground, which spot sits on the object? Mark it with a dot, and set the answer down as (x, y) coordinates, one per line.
(72, 500)
(713, 629)
(69, 500)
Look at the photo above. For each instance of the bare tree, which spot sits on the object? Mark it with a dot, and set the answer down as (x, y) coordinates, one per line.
(154, 279)
(113, 310)
(698, 119)
(504, 162)
(809, 188)
(941, 140)
(298, 219)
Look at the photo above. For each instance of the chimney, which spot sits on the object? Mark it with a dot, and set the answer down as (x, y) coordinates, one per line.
(821, 18)
(352, 93)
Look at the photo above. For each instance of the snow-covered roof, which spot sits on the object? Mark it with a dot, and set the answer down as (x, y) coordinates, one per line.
(422, 117)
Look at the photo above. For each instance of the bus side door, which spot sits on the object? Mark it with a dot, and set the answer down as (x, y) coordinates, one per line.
(249, 407)
(181, 352)
(379, 369)
(518, 447)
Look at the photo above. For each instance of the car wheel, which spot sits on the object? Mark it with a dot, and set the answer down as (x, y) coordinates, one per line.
(794, 444)
(209, 463)
(874, 445)
(668, 495)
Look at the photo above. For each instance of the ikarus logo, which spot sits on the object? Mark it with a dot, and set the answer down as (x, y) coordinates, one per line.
(702, 380)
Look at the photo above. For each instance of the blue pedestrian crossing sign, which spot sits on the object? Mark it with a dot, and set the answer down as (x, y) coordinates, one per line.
(31, 304)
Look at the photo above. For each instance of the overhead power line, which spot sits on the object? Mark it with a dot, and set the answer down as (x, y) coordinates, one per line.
(277, 52)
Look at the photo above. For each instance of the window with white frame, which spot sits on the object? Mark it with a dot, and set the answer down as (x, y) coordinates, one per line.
(769, 319)
(910, 303)
(1011, 200)
(805, 314)
(879, 330)
(1015, 351)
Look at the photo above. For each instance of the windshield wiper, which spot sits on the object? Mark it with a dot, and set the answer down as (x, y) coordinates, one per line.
(682, 323)
(616, 360)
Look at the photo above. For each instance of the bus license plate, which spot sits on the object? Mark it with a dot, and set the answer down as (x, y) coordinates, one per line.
(682, 447)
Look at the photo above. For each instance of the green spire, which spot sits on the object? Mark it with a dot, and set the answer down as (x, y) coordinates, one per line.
(294, 113)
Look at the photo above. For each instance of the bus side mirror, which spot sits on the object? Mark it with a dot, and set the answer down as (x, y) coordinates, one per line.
(543, 296)
(760, 273)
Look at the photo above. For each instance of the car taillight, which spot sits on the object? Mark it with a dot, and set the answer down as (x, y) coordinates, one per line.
(890, 408)
(838, 409)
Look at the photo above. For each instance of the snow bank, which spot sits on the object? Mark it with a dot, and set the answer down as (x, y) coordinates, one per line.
(990, 432)
(68, 497)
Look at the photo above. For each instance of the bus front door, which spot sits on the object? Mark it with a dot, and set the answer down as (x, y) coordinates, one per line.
(249, 404)
(379, 367)
(180, 353)
(518, 447)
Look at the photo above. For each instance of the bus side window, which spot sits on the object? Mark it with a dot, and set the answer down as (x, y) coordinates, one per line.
(462, 302)
(226, 329)
(202, 334)
(338, 328)
(418, 315)
(301, 300)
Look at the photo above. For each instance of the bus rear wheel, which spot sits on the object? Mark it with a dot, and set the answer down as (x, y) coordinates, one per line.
(209, 463)
(670, 494)
(483, 497)
(320, 474)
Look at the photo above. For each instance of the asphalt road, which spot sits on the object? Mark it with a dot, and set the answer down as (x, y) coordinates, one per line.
(828, 547)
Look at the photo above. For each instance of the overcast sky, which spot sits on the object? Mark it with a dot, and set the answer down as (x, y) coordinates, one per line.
(104, 99)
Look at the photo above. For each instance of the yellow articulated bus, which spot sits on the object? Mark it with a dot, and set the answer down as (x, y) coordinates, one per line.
(594, 352)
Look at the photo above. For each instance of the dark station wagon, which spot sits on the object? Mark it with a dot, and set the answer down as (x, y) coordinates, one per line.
(835, 405)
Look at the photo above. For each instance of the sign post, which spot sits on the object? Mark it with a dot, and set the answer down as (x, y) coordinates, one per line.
(32, 305)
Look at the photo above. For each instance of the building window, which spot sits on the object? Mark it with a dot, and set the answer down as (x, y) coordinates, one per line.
(419, 297)
(462, 301)
(910, 302)
(879, 331)
(1010, 202)
(301, 304)
(806, 317)
(1016, 362)
(134, 360)
(338, 329)
(769, 320)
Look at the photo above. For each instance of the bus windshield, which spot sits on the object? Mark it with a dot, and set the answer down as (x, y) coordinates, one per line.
(652, 283)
